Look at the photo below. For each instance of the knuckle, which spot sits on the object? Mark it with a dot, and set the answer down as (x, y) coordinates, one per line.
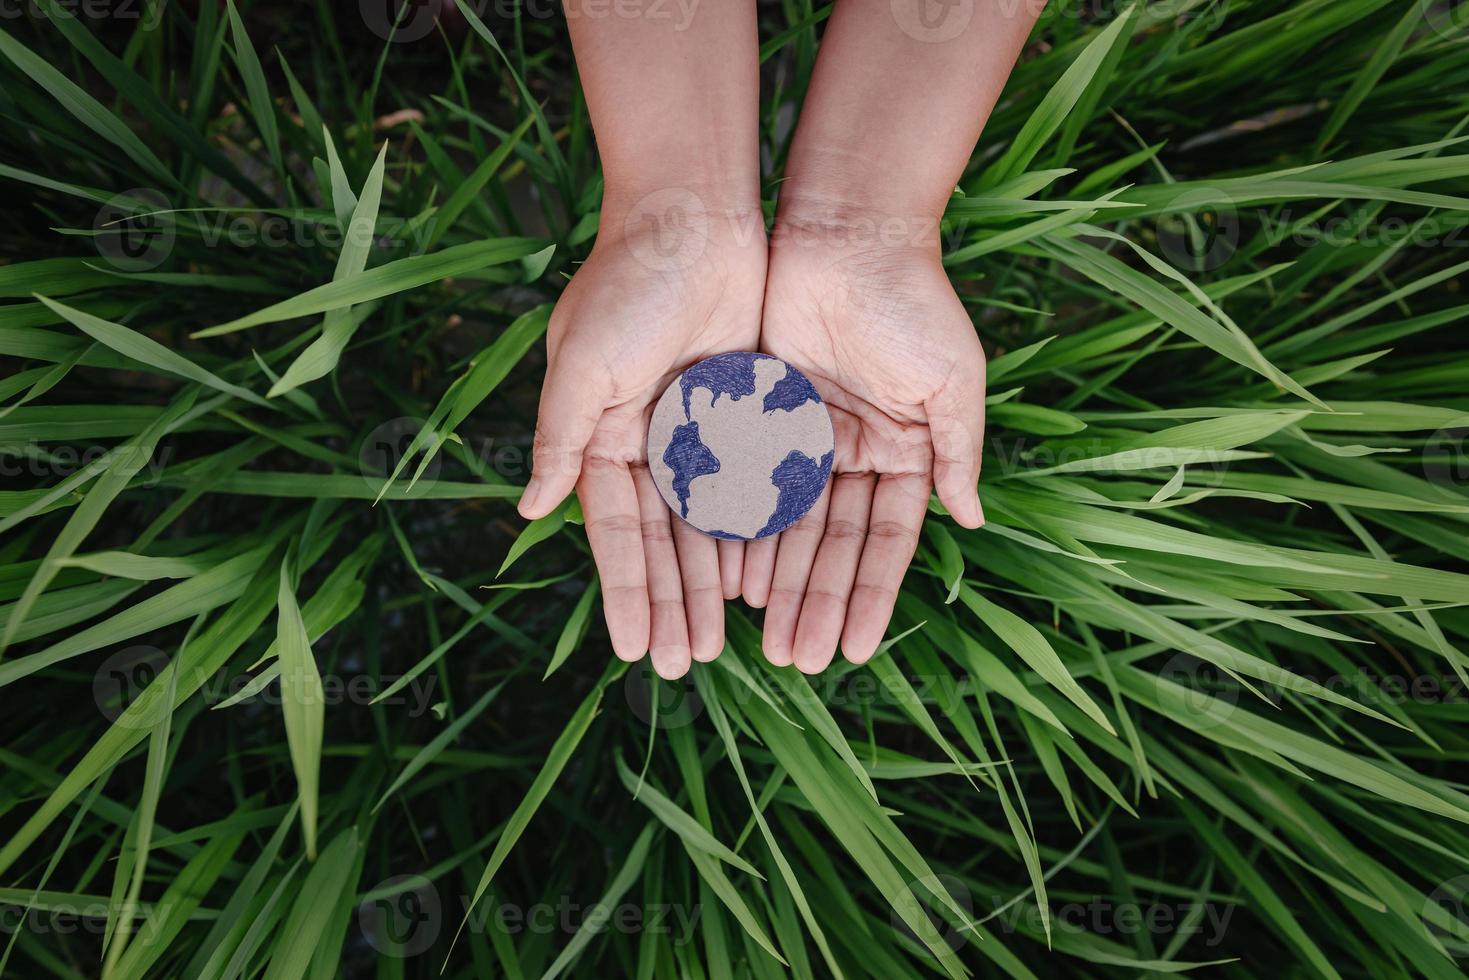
(874, 595)
(894, 531)
(623, 593)
(598, 464)
(787, 592)
(705, 591)
(657, 531)
(613, 525)
(845, 530)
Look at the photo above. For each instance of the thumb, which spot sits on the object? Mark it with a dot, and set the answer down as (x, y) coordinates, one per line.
(956, 426)
(572, 402)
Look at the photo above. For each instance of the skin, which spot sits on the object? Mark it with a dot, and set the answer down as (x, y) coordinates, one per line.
(676, 275)
(850, 289)
(907, 406)
(856, 297)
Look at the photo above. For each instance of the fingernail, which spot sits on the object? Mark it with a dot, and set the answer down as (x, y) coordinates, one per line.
(529, 497)
(670, 663)
(979, 509)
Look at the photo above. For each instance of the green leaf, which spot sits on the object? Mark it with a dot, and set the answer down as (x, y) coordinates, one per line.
(148, 352)
(1365, 79)
(385, 280)
(303, 704)
(257, 91)
(120, 467)
(574, 629)
(950, 559)
(85, 109)
(538, 530)
(468, 190)
(344, 200)
(320, 357)
(301, 933)
(686, 827)
(599, 914)
(1031, 647)
(560, 753)
(177, 905)
(1052, 111)
(142, 829)
(439, 742)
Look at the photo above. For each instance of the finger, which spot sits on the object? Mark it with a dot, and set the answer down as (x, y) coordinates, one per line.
(703, 594)
(793, 560)
(956, 426)
(825, 607)
(731, 567)
(668, 638)
(759, 568)
(898, 506)
(609, 504)
(572, 401)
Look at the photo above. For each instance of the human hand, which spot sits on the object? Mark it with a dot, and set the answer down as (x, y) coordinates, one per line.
(669, 282)
(856, 297)
(861, 304)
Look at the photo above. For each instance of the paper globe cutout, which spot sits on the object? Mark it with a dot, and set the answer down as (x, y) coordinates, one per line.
(740, 445)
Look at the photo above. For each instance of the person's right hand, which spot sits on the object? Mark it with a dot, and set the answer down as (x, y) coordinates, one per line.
(669, 282)
(873, 321)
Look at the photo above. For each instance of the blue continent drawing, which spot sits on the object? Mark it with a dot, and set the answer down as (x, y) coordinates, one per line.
(785, 469)
(723, 374)
(790, 392)
(799, 479)
(688, 458)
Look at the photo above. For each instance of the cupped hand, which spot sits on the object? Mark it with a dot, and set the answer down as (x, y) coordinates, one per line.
(660, 290)
(871, 318)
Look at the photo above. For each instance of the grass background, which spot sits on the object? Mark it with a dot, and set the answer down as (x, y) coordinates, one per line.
(290, 691)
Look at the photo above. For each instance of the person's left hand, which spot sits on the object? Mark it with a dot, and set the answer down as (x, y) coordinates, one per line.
(889, 346)
(653, 298)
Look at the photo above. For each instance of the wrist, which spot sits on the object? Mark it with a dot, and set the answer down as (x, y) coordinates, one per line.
(670, 226)
(827, 179)
(854, 224)
(715, 183)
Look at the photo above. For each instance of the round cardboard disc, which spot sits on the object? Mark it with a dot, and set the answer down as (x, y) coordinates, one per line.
(740, 445)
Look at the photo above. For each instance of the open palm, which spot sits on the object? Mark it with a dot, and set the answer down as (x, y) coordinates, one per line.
(634, 316)
(890, 348)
